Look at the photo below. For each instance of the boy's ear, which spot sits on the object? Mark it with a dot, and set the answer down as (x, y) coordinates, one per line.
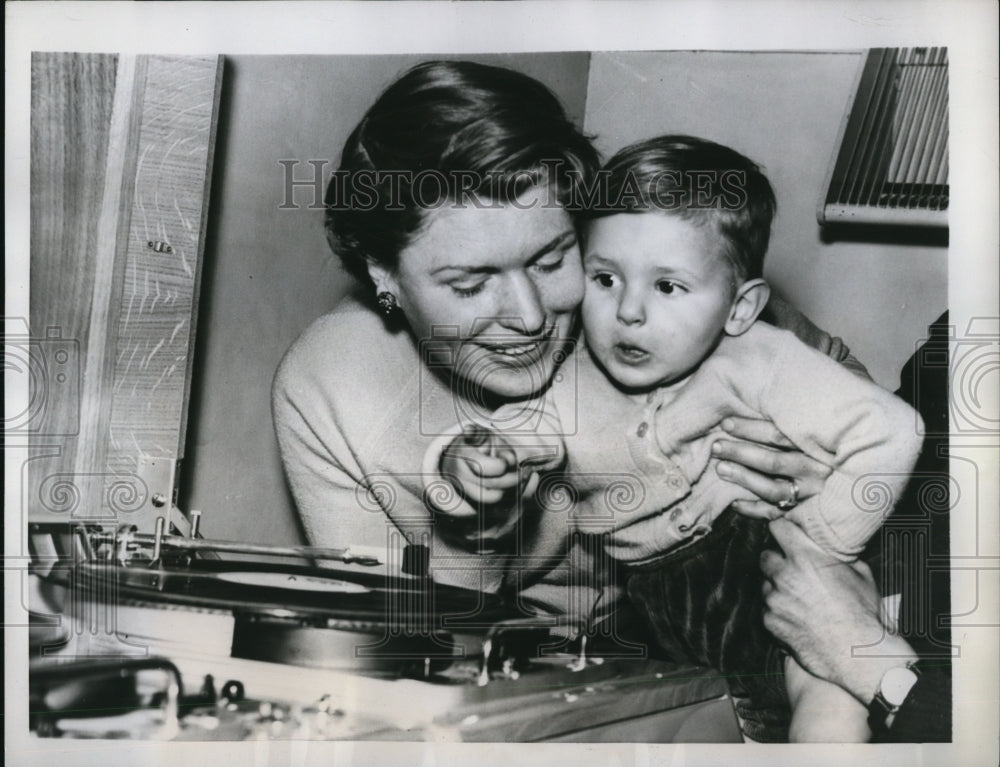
(749, 301)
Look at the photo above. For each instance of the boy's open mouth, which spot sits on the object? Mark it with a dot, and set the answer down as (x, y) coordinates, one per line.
(630, 355)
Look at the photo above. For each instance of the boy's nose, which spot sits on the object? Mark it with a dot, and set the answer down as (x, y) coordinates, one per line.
(630, 310)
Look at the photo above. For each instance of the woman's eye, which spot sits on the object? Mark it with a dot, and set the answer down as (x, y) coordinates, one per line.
(467, 291)
(550, 264)
(668, 287)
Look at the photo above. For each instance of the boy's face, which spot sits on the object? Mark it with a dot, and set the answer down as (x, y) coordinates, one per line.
(659, 292)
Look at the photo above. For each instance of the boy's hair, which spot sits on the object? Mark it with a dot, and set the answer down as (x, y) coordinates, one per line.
(459, 120)
(697, 180)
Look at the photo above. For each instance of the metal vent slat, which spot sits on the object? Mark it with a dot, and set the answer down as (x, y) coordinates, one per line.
(891, 165)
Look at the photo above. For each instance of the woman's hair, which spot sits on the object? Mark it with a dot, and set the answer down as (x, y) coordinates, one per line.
(448, 132)
(699, 181)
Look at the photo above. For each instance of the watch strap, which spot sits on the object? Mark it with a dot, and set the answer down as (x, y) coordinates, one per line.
(882, 713)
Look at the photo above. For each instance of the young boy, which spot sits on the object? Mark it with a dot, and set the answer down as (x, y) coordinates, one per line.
(673, 260)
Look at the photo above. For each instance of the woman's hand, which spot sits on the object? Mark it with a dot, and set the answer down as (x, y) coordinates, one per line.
(763, 461)
(828, 612)
(481, 465)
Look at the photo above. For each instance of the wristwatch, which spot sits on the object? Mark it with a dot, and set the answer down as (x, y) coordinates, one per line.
(893, 688)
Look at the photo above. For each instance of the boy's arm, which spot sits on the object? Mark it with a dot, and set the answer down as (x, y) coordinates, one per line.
(868, 436)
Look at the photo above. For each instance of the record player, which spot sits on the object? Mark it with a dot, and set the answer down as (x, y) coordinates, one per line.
(164, 638)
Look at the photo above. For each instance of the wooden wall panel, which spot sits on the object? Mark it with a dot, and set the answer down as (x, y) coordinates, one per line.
(76, 176)
(162, 274)
(121, 165)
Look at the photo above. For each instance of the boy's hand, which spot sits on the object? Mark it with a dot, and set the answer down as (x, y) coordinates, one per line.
(481, 465)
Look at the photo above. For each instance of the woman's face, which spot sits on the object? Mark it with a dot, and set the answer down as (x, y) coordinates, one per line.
(491, 292)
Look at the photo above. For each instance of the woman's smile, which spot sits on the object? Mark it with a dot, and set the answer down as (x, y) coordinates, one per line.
(523, 350)
(516, 350)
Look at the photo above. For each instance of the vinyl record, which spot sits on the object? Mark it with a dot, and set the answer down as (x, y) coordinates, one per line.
(309, 595)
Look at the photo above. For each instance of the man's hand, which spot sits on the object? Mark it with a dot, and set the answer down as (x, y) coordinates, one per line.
(828, 613)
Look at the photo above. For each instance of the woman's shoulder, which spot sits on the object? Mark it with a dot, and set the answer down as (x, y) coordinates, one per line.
(348, 325)
(350, 348)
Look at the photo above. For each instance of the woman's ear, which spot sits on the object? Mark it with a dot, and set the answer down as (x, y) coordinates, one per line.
(748, 303)
(382, 277)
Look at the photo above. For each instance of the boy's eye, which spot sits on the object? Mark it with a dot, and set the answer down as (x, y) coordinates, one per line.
(668, 287)
(604, 279)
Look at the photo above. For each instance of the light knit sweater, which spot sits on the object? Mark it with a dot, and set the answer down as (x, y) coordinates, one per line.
(355, 412)
(640, 469)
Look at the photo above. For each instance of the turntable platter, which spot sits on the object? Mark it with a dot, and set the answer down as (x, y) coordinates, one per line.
(292, 581)
(305, 616)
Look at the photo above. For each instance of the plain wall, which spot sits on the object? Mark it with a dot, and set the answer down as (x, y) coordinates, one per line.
(268, 273)
(782, 110)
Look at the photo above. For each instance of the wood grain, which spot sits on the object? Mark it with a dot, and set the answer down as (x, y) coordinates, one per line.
(120, 170)
(72, 103)
(163, 260)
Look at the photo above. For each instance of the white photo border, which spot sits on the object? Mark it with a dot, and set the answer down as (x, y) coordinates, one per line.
(966, 27)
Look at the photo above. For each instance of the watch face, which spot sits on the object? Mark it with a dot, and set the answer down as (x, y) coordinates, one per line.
(896, 684)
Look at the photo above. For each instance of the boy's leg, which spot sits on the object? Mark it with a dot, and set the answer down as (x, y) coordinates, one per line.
(703, 603)
(823, 712)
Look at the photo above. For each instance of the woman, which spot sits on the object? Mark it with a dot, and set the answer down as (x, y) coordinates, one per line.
(454, 207)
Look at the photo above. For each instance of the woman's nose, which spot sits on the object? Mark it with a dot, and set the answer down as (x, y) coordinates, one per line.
(630, 308)
(523, 310)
